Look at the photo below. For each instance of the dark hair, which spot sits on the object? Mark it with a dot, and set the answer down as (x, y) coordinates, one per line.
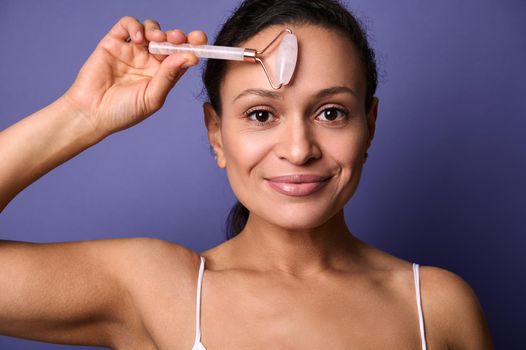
(251, 17)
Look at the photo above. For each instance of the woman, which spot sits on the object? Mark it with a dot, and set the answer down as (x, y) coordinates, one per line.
(292, 275)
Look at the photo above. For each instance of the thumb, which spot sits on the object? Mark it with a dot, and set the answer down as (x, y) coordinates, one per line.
(170, 71)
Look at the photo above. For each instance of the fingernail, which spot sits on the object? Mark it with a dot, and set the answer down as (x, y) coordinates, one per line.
(138, 35)
(187, 64)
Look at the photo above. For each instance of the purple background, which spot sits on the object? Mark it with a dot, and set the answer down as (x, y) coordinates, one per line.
(442, 185)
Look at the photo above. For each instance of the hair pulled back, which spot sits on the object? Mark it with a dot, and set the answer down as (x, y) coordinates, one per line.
(253, 16)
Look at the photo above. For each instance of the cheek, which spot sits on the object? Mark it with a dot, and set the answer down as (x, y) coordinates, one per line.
(345, 148)
(243, 151)
(345, 151)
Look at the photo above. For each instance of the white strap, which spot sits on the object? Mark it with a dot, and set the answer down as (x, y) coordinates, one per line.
(198, 302)
(416, 274)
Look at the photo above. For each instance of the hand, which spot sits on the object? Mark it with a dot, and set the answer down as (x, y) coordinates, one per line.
(121, 83)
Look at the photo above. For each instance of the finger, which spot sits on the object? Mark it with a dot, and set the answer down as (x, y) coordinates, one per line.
(127, 27)
(169, 72)
(153, 31)
(197, 37)
(176, 36)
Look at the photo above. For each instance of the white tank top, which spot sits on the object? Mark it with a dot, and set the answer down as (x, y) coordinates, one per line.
(199, 346)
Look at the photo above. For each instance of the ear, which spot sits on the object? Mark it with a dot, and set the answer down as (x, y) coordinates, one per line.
(371, 121)
(213, 125)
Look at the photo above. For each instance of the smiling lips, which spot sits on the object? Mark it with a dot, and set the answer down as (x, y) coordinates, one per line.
(298, 184)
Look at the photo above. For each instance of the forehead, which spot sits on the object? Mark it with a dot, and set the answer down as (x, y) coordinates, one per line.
(326, 58)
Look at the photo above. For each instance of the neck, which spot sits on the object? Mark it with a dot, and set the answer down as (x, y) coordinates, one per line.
(265, 247)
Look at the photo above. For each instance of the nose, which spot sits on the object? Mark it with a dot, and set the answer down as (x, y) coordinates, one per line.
(297, 142)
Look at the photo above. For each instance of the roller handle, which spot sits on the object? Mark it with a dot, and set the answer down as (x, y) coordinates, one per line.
(207, 51)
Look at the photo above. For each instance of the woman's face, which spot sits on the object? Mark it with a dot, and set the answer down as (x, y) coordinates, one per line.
(316, 125)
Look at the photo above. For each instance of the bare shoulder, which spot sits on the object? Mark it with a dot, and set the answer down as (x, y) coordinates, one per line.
(452, 310)
(142, 265)
(152, 257)
(155, 248)
(158, 277)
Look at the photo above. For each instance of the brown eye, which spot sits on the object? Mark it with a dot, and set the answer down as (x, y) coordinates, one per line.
(330, 114)
(333, 113)
(260, 116)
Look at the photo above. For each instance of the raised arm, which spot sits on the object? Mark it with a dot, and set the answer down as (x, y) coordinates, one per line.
(82, 292)
(120, 85)
(87, 292)
(63, 292)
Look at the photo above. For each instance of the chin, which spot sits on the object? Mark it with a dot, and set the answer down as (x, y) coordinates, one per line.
(295, 218)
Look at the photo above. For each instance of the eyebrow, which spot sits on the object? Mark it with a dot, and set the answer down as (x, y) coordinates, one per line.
(276, 95)
(259, 92)
(336, 90)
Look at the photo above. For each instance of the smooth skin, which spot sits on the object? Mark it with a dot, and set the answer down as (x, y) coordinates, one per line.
(296, 277)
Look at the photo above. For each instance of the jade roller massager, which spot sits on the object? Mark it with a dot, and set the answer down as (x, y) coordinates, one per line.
(283, 65)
